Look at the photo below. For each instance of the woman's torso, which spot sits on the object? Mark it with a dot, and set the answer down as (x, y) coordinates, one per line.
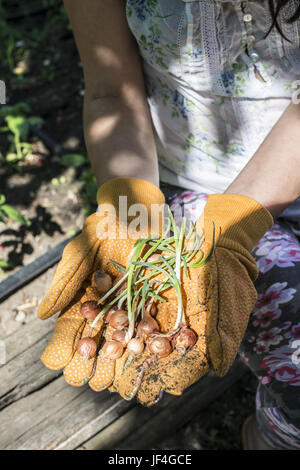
(215, 85)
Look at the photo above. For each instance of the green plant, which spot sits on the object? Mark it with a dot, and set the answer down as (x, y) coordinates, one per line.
(17, 126)
(89, 190)
(9, 213)
(27, 37)
(8, 38)
(72, 159)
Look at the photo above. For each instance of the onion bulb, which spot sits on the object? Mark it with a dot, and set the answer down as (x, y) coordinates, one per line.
(87, 348)
(119, 335)
(112, 350)
(119, 319)
(152, 310)
(153, 258)
(184, 340)
(135, 346)
(147, 326)
(103, 282)
(160, 347)
(109, 313)
(90, 309)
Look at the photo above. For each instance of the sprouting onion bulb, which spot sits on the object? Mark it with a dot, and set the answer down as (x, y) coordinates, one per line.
(155, 265)
(87, 348)
(184, 340)
(119, 335)
(112, 350)
(102, 281)
(147, 326)
(89, 309)
(160, 347)
(119, 319)
(135, 346)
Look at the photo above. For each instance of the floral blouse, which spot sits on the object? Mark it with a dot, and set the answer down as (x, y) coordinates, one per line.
(215, 84)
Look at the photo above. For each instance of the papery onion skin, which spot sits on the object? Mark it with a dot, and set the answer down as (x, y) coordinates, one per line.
(112, 350)
(160, 347)
(102, 281)
(184, 340)
(109, 313)
(152, 311)
(147, 326)
(153, 258)
(90, 309)
(119, 319)
(135, 346)
(119, 335)
(87, 348)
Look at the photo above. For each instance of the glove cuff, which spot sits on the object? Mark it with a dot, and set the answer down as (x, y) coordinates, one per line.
(238, 219)
(136, 190)
(130, 203)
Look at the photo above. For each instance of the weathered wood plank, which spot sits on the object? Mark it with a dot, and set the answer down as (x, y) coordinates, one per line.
(62, 417)
(41, 411)
(26, 336)
(26, 413)
(24, 275)
(58, 417)
(141, 428)
(36, 289)
(113, 408)
(25, 373)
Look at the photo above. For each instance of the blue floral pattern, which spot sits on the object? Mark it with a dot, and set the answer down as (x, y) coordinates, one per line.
(271, 345)
(221, 103)
(142, 8)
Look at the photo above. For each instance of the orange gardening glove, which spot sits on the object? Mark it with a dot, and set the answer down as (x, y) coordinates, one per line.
(218, 300)
(72, 285)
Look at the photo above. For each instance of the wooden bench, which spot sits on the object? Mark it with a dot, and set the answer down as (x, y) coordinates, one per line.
(39, 410)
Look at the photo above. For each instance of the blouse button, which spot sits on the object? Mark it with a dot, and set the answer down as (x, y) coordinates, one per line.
(247, 18)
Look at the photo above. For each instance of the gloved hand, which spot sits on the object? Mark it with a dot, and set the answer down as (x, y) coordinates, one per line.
(219, 298)
(72, 283)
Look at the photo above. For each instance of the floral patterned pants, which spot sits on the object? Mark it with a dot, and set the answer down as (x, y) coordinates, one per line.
(271, 345)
